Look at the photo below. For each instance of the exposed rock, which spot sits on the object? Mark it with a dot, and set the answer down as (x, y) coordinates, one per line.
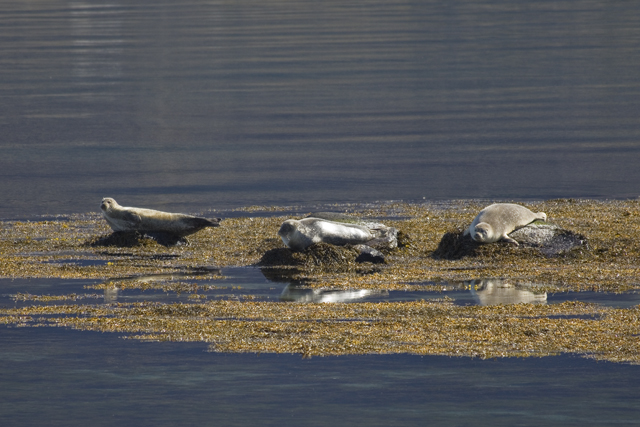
(551, 239)
(321, 255)
(548, 240)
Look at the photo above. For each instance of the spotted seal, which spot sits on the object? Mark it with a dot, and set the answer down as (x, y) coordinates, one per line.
(122, 218)
(299, 234)
(496, 221)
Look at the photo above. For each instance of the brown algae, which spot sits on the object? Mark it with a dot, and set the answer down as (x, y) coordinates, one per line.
(421, 327)
(609, 262)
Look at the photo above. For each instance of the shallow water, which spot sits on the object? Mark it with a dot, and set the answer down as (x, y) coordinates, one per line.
(200, 105)
(102, 379)
(251, 284)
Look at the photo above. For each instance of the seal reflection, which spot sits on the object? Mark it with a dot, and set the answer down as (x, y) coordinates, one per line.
(500, 291)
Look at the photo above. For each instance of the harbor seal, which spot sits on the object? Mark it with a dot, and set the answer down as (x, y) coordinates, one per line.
(122, 218)
(496, 221)
(300, 234)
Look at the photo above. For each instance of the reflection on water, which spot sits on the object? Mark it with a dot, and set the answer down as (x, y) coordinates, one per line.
(111, 294)
(160, 384)
(196, 105)
(97, 44)
(200, 273)
(500, 291)
(164, 281)
(203, 105)
(301, 294)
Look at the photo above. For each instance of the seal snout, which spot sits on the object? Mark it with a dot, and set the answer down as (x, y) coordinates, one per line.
(481, 232)
(106, 203)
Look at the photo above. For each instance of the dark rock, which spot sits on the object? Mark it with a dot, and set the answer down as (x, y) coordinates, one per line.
(369, 254)
(456, 245)
(548, 240)
(319, 255)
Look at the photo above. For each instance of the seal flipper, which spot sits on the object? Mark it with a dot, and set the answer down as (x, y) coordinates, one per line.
(133, 219)
(509, 240)
(200, 223)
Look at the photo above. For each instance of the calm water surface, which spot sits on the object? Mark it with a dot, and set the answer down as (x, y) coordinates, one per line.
(198, 105)
(101, 379)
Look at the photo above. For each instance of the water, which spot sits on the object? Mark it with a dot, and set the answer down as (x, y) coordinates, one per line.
(76, 378)
(209, 105)
(243, 282)
(198, 105)
(102, 379)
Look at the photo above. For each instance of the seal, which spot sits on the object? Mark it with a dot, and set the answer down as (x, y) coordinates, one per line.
(122, 218)
(300, 234)
(496, 221)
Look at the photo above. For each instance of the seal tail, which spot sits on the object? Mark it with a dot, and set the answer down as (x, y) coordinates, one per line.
(386, 238)
(200, 223)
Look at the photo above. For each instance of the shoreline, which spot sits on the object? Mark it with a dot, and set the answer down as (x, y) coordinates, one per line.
(611, 262)
(48, 248)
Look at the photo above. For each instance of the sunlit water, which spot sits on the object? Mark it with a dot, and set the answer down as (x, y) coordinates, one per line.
(198, 105)
(252, 283)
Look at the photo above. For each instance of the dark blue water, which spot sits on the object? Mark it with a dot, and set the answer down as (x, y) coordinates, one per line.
(49, 373)
(198, 105)
(60, 377)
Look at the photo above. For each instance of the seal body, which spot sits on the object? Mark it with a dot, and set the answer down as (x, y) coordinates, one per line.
(300, 234)
(496, 221)
(122, 218)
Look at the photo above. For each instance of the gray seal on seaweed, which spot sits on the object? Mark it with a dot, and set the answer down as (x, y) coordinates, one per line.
(300, 234)
(122, 218)
(496, 221)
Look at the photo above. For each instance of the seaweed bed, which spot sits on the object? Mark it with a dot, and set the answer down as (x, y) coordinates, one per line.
(604, 256)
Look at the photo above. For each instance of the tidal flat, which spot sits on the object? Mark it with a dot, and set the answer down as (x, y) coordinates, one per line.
(77, 247)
